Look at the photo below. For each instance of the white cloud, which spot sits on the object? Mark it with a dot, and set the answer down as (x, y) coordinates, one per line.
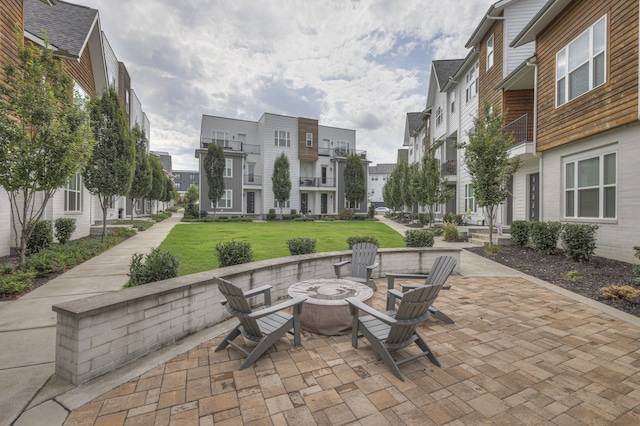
(359, 64)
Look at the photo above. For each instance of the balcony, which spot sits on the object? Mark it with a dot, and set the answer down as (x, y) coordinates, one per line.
(521, 129)
(317, 182)
(231, 145)
(252, 180)
(449, 168)
(341, 152)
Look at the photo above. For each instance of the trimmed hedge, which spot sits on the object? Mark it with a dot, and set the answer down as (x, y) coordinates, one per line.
(158, 265)
(545, 236)
(41, 237)
(520, 230)
(233, 252)
(419, 238)
(301, 246)
(64, 227)
(579, 241)
(351, 241)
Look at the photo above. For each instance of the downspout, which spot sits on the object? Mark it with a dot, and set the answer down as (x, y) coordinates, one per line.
(535, 136)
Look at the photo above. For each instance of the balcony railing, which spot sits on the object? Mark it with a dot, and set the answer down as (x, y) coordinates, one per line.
(317, 182)
(341, 152)
(449, 168)
(252, 180)
(521, 129)
(232, 145)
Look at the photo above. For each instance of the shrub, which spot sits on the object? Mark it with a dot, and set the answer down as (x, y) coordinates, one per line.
(371, 212)
(286, 217)
(41, 237)
(636, 268)
(520, 230)
(173, 209)
(301, 246)
(345, 214)
(620, 292)
(491, 248)
(451, 232)
(17, 283)
(578, 241)
(64, 227)
(158, 265)
(158, 217)
(233, 253)
(294, 212)
(272, 214)
(453, 218)
(572, 276)
(424, 218)
(418, 238)
(123, 232)
(6, 268)
(203, 214)
(545, 236)
(52, 261)
(351, 241)
(437, 231)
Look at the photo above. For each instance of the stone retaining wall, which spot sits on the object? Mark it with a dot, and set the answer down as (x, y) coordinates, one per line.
(98, 334)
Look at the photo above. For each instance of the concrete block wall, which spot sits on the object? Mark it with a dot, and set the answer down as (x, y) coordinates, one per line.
(101, 333)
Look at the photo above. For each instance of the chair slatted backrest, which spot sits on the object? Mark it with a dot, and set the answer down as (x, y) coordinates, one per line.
(413, 309)
(440, 271)
(364, 254)
(238, 306)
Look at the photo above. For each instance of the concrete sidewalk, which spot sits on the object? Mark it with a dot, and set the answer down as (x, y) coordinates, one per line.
(28, 325)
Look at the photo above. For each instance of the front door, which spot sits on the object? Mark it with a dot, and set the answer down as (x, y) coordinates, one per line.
(304, 203)
(251, 202)
(534, 204)
(323, 203)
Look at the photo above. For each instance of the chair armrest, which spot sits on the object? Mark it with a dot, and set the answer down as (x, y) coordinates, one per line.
(356, 305)
(279, 307)
(406, 287)
(391, 278)
(392, 296)
(372, 267)
(266, 289)
(337, 266)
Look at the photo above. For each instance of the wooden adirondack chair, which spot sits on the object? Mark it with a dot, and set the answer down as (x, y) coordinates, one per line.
(440, 271)
(395, 329)
(362, 264)
(263, 326)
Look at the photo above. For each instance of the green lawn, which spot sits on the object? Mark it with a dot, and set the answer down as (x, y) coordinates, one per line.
(195, 244)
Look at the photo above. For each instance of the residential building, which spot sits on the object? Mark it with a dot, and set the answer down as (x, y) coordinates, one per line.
(414, 136)
(378, 177)
(316, 156)
(183, 179)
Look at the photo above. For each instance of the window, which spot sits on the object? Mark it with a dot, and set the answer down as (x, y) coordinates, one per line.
(285, 205)
(220, 138)
(225, 202)
(438, 116)
(353, 206)
(228, 168)
(81, 96)
(490, 52)
(471, 82)
(73, 195)
(309, 140)
(252, 169)
(453, 103)
(469, 199)
(283, 138)
(580, 66)
(590, 186)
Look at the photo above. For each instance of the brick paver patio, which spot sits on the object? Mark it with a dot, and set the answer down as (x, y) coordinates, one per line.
(517, 354)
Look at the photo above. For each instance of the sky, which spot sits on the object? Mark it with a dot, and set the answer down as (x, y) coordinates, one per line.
(354, 64)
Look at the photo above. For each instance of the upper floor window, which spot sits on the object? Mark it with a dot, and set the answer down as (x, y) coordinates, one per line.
(73, 194)
(469, 199)
(471, 82)
(590, 186)
(438, 116)
(220, 138)
(580, 65)
(490, 52)
(309, 139)
(453, 103)
(81, 96)
(228, 168)
(283, 138)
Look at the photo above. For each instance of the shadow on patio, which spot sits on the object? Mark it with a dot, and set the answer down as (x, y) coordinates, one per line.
(517, 354)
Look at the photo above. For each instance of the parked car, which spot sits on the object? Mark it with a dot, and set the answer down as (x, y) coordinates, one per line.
(382, 210)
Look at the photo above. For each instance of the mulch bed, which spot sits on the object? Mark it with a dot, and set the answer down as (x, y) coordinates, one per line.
(590, 277)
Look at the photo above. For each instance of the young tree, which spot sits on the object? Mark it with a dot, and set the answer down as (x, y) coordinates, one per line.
(487, 158)
(141, 184)
(168, 189)
(428, 186)
(44, 135)
(281, 180)
(191, 199)
(397, 181)
(157, 180)
(214, 165)
(110, 169)
(355, 188)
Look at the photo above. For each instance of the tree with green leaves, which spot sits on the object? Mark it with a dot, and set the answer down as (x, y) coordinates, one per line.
(488, 162)
(281, 180)
(157, 180)
(191, 196)
(141, 184)
(214, 165)
(168, 189)
(392, 188)
(428, 185)
(355, 186)
(112, 164)
(45, 137)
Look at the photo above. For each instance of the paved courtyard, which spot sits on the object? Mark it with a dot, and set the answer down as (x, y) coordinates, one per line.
(518, 353)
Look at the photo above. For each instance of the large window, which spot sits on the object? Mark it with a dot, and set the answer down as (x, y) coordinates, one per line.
(309, 140)
(351, 205)
(225, 202)
(284, 205)
(490, 52)
(590, 186)
(580, 65)
(438, 116)
(469, 199)
(221, 138)
(471, 82)
(282, 138)
(228, 168)
(73, 194)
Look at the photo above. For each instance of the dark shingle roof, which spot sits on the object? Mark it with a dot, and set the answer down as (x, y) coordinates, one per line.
(413, 121)
(446, 68)
(67, 25)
